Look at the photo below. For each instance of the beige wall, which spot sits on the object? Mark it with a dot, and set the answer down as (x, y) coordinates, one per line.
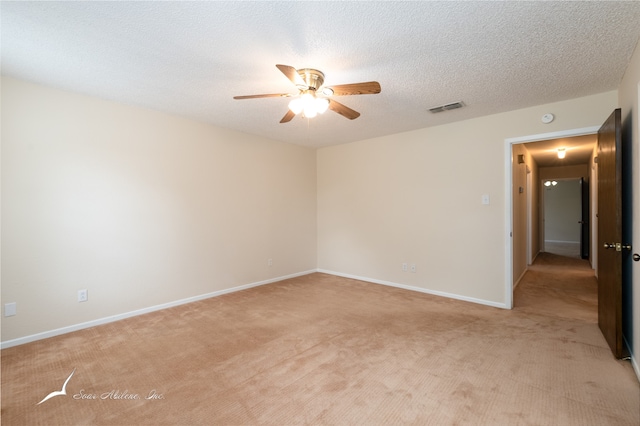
(140, 208)
(536, 222)
(565, 172)
(571, 172)
(519, 201)
(628, 95)
(415, 197)
(143, 208)
(563, 211)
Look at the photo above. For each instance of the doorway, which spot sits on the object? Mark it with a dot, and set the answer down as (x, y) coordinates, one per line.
(523, 240)
(562, 216)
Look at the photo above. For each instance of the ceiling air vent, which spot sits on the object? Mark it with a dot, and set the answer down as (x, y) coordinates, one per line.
(447, 107)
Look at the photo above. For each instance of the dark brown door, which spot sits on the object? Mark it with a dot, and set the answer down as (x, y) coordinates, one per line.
(610, 232)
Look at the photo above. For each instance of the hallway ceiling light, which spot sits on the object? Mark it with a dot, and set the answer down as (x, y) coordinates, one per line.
(562, 152)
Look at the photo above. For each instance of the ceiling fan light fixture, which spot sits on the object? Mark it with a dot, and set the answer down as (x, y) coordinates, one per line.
(296, 106)
(322, 104)
(309, 105)
(309, 111)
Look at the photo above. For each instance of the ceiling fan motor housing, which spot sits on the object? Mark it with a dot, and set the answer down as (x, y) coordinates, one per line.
(314, 79)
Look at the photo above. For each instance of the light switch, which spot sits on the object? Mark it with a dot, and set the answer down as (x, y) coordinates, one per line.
(9, 309)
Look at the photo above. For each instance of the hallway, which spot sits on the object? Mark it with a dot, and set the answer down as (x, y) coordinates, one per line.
(559, 286)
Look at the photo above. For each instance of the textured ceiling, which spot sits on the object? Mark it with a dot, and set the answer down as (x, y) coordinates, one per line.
(191, 58)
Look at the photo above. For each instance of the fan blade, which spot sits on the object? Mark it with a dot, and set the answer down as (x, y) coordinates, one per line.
(368, 88)
(343, 110)
(268, 95)
(288, 116)
(292, 74)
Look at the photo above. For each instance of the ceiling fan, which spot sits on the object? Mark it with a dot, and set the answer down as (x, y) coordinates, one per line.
(313, 98)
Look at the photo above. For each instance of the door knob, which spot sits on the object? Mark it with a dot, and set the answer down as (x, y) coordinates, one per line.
(636, 257)
(617, 246)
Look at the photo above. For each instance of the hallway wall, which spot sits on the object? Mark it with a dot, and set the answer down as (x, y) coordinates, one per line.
(562, 211)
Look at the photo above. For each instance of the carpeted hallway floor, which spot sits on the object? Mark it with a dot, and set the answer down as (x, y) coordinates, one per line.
(561, 286)
(320, 349)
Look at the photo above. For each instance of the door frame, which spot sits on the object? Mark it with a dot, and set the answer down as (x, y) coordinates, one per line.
(529, 189)
(508, 168)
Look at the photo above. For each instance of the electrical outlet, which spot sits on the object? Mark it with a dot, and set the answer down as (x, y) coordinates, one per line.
(413, 268)
(269, 262)
(83, 295)
(10, 309)
(405, 267)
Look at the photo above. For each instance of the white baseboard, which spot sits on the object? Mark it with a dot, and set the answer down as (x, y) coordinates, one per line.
(636, 367)
(418, 289)
(632, 358)
(534, 258)
(515, 284)
(113, 318)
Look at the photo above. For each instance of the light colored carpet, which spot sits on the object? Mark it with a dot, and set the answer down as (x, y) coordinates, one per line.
(322, 350)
